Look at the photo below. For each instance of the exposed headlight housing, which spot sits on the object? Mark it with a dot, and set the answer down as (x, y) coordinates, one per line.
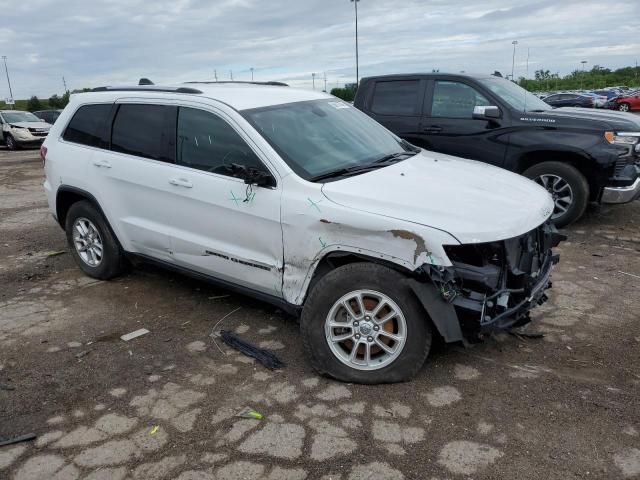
(622, 138)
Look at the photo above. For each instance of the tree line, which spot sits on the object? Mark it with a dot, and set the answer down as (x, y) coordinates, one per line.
(594, 79)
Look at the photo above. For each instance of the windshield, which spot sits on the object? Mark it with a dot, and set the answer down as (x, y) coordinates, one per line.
(516, 96)
(323, 136)
(15, 117)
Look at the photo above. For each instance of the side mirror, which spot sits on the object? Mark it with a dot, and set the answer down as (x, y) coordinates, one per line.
(486, 112)
(252, 176)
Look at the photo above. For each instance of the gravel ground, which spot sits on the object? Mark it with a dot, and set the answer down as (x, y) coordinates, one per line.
(164, 405)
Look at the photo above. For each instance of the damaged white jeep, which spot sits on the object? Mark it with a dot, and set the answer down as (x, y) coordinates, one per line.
(301, 200)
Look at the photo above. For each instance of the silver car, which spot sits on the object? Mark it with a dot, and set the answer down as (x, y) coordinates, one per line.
(22, 129)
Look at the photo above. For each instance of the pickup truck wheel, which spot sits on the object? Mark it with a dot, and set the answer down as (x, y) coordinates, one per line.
(361, 324)
(568, 187)
(623, 107)
(91, 242)
(11, 143)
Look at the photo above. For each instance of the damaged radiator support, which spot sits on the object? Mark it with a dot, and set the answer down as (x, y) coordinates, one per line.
(495, 285)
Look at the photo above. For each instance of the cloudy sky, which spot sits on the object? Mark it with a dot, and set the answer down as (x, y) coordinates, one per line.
(100, 42)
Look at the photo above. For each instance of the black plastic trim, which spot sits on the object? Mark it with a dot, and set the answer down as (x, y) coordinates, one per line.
(147, 88)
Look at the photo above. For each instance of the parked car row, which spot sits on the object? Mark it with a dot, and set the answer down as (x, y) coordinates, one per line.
(615, 99)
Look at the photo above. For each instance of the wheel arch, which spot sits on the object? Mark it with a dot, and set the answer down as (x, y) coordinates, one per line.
(577, 159)
(441, 315)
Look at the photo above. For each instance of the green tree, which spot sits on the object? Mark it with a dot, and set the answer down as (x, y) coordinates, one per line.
(55, 101)
(346, 94)
(34, 104)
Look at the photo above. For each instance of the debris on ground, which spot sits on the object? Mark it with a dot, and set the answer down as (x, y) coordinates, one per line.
(630, 274)
(55, 254)
(4, 386)
(522, 335)
(265, 357)
(217, 297)
(22, 438)
(154, 430)
(136, 334)
(249, 412)
(83, 353)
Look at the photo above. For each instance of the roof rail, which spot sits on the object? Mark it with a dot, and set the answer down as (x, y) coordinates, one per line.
(147, 88)
(271, 83)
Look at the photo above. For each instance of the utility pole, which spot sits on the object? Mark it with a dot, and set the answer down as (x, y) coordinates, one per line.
(528, 52)
(251, 73)
(4, 57)
(65, 85)
(582, 76)
(355, 3)
(325, 82)
(313, 79)
(513, 60)
(215, 75)
(231, 74)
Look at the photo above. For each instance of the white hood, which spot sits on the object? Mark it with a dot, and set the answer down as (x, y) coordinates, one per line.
(473, 201)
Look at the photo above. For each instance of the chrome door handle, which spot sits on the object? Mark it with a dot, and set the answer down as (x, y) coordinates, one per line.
(181, 182)
(102, 164)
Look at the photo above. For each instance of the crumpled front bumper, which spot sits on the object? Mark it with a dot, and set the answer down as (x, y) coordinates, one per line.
(621, 194)
(495, 285)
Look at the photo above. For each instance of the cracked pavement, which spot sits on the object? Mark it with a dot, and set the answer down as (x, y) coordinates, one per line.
(164, 405)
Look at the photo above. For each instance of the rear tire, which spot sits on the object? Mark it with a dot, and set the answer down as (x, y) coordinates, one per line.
(568, 180)
(91, 242)
(410, 325)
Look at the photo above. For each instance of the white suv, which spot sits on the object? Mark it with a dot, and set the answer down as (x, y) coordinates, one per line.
(22, 129)
(301, 200)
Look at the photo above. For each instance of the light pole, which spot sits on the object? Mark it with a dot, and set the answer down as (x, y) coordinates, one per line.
(582, 76)
(513, 59)
(251, 73)
(313, 80)
(4, 57)
(355, 3)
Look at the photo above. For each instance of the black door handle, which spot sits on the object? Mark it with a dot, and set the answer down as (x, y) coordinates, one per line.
(432, 129)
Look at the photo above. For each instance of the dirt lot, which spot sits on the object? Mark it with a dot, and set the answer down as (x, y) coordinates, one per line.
(164, 405)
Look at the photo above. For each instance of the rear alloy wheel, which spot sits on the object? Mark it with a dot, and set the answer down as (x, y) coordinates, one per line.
(566, 185)
(623, 107)
(11, 143)
(361, 323)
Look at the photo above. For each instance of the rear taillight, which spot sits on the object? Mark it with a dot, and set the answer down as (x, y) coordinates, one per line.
(43, 154)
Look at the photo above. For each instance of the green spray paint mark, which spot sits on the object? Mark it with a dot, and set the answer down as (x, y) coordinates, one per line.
(234, 198)
(314, 204)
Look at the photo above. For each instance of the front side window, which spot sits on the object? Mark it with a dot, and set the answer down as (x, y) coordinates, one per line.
(322, 136)
(398, 97)
(206, 142)
(88, 126)
(455, 100)
(516, 96)
(145, 131)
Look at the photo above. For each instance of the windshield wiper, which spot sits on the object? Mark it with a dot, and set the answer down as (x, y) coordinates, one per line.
(365, 167)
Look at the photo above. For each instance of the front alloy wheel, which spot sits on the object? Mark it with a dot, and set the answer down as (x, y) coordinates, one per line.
(623, 107)
(560, 191)
(365, 330)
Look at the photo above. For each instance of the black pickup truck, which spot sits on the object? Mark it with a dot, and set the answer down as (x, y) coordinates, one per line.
(577, 155)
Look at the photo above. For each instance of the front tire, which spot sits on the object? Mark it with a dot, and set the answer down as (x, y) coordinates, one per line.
(11, 143)
(624, 107)
(93, 246)
(568, 187)
(362, 324)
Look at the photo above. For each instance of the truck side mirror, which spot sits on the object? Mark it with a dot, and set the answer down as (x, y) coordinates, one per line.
(486, 112)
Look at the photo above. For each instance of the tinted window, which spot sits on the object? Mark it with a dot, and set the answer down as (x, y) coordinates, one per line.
(143, 130)
(455, 100)
(88, 126)
(208, 143)
(396, 98)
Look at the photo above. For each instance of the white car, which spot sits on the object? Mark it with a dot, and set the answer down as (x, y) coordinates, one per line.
(22, 129)
(301, 200)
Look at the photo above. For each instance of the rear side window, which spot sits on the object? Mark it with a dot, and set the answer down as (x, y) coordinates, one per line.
(88, 126)
(145, 131)
(396, 98)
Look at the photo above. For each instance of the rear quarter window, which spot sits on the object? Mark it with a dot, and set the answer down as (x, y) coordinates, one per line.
(89, 126)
